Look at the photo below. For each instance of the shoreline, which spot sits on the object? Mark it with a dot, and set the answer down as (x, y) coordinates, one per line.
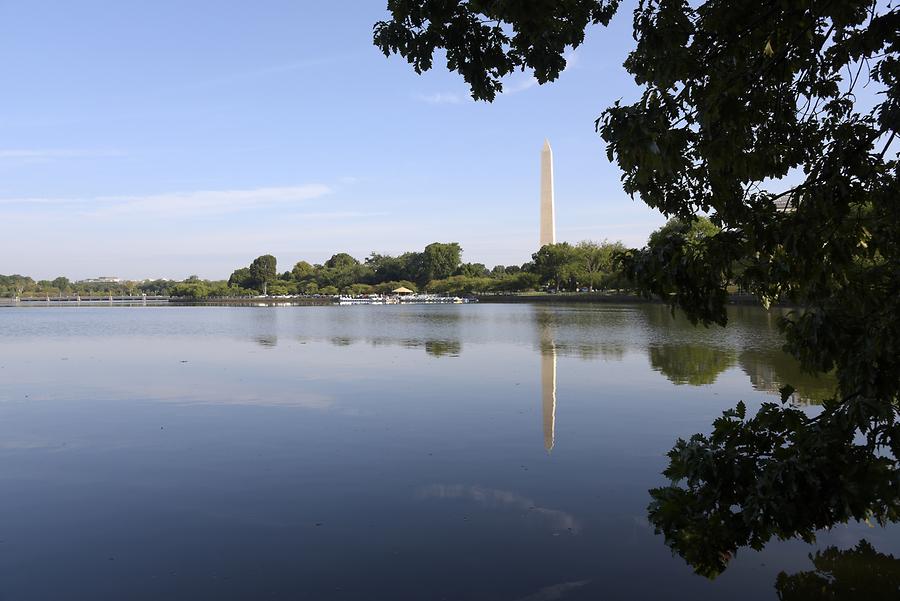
(539, 298)
(594, 297)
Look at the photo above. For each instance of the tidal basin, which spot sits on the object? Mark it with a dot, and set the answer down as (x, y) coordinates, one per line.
(484, 452)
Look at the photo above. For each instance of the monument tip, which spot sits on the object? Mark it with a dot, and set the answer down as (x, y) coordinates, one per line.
(546, 144)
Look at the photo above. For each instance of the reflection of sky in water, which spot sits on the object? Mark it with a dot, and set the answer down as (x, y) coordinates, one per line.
(230, 452)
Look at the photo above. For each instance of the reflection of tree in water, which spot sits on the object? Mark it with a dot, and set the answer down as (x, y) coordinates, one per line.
(606, 352)
(692, 364)
(779, 474)
(443, 348)
(786, 472)
(434, 347)
(686, 354)
(267, 341)
(859, 573)
(771, 369)
(577, 332)
(745, 325)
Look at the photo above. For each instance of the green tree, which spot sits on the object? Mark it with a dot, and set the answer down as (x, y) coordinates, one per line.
(190, 289)
(61, 283)
(155, 287)
(341, 271)
(386, 268)
(281, 288)
(595, 261)
(461, 284)
(439, 261)
(241, 277)
(485, 41)
(387, 287)
(694, 230)
(263, 271)
(302, 271)
(473, 270)
(21, 285)
(341, 261)
(360, 289)
(555, 264)
(736, 96)
(520, 282)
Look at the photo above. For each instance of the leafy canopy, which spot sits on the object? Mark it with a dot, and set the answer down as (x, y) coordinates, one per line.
(486, 40)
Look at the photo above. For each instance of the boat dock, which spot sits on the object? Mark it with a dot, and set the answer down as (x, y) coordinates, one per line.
(78, 300)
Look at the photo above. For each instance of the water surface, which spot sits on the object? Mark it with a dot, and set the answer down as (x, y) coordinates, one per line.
(483, 452)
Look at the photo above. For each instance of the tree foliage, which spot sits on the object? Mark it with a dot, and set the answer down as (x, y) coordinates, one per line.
(462, 284)
(386, 267)
(301, 270)
(437, 268)
(342, 261)
(486, 40)
(263, 271)
(595, 263)
(753, 114)
(439, 261)
(589, 264)
(555, 264)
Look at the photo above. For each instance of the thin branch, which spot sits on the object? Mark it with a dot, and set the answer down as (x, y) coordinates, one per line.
(888, 145)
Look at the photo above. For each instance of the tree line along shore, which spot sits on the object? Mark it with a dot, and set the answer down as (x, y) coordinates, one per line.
(563, 267)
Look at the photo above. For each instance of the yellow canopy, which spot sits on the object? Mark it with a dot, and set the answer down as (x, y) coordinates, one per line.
(402, 290)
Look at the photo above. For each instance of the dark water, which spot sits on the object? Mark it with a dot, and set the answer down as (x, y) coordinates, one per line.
(492, 452)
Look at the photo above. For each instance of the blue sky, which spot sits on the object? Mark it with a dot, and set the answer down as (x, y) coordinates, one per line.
(172, 138)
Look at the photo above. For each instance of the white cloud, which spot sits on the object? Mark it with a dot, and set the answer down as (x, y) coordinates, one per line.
(181, 204)
(213, 201)
(511, 85)
(520, 85)
(441, 98)
(524, 82)
(56, 153)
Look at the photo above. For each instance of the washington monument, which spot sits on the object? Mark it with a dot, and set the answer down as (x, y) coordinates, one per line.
(548, 214)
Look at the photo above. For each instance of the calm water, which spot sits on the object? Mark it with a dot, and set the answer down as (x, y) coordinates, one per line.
(483, 452)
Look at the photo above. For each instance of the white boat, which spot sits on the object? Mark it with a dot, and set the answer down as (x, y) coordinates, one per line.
(359, 300)
(431, 299)
(406, 299)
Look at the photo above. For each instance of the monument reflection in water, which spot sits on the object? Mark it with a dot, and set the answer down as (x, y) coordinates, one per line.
(548, 385)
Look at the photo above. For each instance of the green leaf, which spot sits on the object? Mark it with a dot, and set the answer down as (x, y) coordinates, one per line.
(786, 392)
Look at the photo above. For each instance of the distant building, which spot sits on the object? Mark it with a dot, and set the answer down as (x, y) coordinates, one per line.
(104, 279)
(786, 203)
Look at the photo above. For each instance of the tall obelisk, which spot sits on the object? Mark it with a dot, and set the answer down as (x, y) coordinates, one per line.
(548, 214)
